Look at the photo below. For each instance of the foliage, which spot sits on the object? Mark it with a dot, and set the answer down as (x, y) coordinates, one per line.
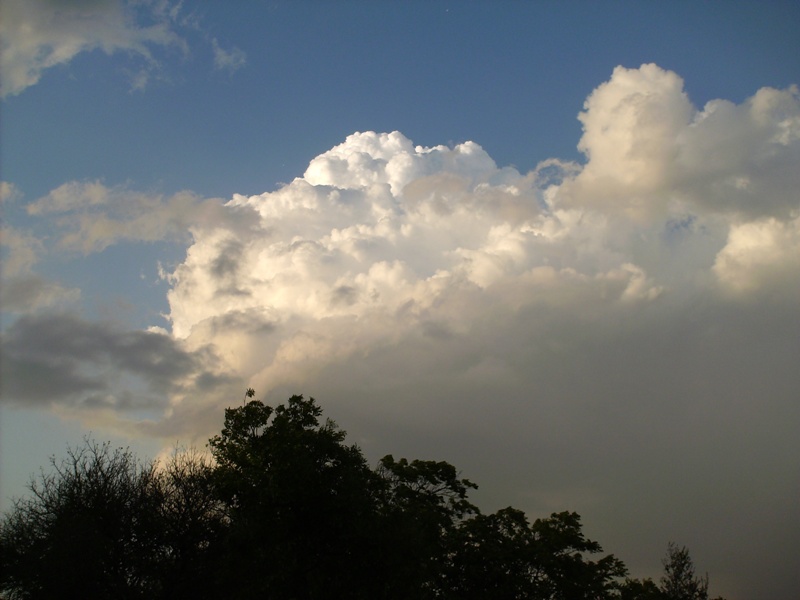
(300, 502)
(192, 523)
(679, 581)
(640, 589)
(504, 556)
(98, 500)
(421, 503)
(103, 525)
(288, 510)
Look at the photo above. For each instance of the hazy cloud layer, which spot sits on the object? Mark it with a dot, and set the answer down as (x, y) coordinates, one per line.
(92, 216)
(40, 34)
(23, 290)
(30, 292)
(619, 338)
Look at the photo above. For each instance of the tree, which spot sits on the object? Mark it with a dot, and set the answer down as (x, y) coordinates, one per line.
(88, 530)
(491, 556)
(192, 523)
(561, 570)
(421, 504)
(288, 510)
(301, 504)
(102, 524)
(504, 556)
(679, 581)
(640, 589)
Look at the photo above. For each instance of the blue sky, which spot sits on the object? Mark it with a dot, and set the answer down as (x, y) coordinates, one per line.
(595, 313)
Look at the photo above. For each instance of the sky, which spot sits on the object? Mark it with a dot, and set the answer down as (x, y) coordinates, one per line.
(556, 244)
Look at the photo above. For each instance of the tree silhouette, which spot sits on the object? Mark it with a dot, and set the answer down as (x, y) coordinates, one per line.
(288, 510)
(679, 581)
(504, 556)
(102, 524)
(300, 503)
(88, 529)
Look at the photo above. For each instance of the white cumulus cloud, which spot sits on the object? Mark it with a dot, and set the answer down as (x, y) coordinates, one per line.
(762, 254)
(437, 302)
(381, 239)
(650, 150)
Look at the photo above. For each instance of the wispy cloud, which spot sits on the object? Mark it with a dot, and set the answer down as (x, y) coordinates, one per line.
(38, 35)
(23, 290)
(92, 216)
(228, 60)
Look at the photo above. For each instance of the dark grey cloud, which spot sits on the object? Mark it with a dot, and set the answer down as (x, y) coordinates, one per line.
(64, 359)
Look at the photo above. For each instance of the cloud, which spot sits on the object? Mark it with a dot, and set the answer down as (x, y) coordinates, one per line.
(8, 192)
(762, 255)
(92, 216)
(630, 126)
(38, 35)
(650, 150)
(381, 239)
(228, 60)
(31, 292)
(95, 367)
(41, 34)
(22, 290)
(345, 230)
(70, 196)
(606, 335)
(21, 251)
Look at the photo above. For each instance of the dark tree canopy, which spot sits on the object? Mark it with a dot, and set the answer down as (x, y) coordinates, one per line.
(104, 525)
(288, 510)
(300, 502)
(503, 556)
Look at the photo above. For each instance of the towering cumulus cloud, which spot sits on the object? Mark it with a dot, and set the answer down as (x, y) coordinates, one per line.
(618, 333)
(381, 242)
